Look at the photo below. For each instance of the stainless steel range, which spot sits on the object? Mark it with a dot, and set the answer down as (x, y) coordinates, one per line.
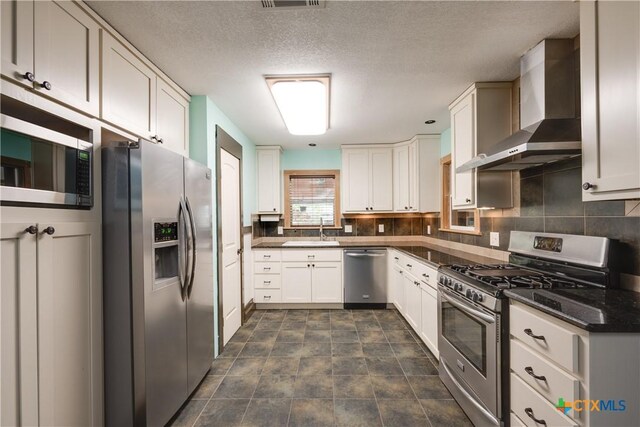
(473, 312)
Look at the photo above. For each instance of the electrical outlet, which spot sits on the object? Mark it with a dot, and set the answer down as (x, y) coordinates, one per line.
(380, 228)
(428, 229)
(280, 229)
(494, 238)
(348, 228)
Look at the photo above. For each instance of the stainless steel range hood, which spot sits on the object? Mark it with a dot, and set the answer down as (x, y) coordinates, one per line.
(548, 112)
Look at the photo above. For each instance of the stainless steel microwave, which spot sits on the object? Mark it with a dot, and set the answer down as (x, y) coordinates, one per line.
(40, 166)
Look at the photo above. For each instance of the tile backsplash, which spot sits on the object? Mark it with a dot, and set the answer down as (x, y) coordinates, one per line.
(550, 201)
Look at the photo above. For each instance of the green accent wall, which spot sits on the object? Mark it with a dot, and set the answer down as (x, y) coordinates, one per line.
(204, 115)
(445, 142)
(305, 159)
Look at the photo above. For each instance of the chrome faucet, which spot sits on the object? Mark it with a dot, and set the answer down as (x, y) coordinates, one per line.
(322, 236)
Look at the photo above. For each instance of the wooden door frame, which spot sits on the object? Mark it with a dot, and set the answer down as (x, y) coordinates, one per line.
(225, 142)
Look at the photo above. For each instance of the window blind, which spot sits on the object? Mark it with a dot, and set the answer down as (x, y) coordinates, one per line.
(312, 198)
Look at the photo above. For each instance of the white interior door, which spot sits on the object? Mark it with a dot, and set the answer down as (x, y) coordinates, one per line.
(230, 217)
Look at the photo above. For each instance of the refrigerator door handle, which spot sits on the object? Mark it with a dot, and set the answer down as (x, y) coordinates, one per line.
(184, 256)
(192, 223)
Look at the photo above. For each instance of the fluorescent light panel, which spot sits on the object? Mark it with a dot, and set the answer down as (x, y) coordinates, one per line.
(303, 102)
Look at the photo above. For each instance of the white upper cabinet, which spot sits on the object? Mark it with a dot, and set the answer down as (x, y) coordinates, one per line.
(172, 118)
(610, 82)
(269, 178)
(128, 89)
(57, 43)
(367, 176)
(480, 118)
(17, 40)
(416, 175)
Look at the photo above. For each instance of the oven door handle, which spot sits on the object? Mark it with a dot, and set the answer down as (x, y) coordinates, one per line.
(466, 394)
(479, 315)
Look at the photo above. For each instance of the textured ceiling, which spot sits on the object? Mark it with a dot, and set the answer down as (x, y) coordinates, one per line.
(393, 64)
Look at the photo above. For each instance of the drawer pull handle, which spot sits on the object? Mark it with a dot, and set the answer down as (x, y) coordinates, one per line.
(311, 256)
(396, 258)
(266, 268)
(267, 297)
(266, 256)
(409, 265)
(425, 275)
(267, 282)
(529, 370)
(529, 413)
(531, 334)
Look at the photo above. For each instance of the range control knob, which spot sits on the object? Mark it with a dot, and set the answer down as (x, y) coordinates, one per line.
(458, 287)
(469, 293)
(441, 280)
(477, 297)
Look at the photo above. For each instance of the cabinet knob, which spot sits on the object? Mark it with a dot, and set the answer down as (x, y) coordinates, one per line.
(32, 229)
(274, 209)
(467, 200)
(308, 265)
(588, 186)
(49, 230)
(160, 141)
(406, 207)
(29, 76)
(46, 85)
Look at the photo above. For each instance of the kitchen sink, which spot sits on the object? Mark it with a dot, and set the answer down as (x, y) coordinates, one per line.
(319, 243)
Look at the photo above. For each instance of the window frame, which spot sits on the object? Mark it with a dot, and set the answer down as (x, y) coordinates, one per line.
(446, 205)
(288, 174)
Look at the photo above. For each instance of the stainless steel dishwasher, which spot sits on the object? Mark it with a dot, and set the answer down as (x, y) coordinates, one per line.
(365, 278)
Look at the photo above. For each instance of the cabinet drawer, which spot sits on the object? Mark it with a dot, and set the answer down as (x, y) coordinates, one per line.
(556, 342)
(310, 255)
(262, 255)
(266, 281)
(556, 383)
(527, 404)
(267, 295)
(425, 274)
(266, 268)
(515, 421)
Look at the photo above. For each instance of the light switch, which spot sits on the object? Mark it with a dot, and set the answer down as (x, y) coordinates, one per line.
(348, 229)
(494, 238)
(280, 229)
(380, 228)
(428, 229)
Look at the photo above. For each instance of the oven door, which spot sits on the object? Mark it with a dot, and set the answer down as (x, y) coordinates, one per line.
(469, 355)
(39, 166)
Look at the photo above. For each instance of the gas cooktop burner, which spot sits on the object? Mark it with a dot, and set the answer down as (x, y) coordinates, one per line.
(506, 276)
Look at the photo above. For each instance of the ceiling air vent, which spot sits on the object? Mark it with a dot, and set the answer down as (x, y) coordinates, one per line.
(293, 4)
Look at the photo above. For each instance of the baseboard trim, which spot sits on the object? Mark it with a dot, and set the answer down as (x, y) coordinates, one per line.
(284, 306)
(249, 309)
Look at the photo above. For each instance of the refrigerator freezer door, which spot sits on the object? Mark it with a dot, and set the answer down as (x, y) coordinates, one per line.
(161, 190)
(198, 192)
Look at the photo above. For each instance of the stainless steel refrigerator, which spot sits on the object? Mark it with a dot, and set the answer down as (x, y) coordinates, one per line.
(158, 281)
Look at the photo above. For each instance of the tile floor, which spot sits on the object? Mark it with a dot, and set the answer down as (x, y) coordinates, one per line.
(323, 367)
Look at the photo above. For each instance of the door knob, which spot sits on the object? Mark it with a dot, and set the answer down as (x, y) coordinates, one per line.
(49, 230)
(46, 85)
(29, 76)
(588, 186)
(32, 229)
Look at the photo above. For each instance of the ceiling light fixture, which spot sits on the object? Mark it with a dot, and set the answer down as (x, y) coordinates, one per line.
(429, 122)
(303, 102)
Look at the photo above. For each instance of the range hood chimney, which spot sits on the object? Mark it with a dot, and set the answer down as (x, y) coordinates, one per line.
(550, 127)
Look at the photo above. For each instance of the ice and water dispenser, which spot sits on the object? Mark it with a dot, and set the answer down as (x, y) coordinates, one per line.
(165, 253)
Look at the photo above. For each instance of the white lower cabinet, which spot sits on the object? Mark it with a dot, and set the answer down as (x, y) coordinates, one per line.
(429, 318)
(326, 282)
(397, 288)
(50, 316)
(296, 282)
(412, 305)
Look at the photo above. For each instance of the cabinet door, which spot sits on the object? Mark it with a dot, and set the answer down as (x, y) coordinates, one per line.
(463, 150)
(414, 177)
(172, 118)
(429, 319)
(326, 282)
(128, 89)
(381, 181)
(412, 304)
(355, 180)
(69, 336)
(66, 54)
(18, 326)
(268, 181)
(610, 56)
(398, 288)
(17, 39)
(296, 282)
(401, 179)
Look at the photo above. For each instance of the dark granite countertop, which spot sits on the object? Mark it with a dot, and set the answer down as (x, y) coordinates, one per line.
(434, 255)
(592, 309)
